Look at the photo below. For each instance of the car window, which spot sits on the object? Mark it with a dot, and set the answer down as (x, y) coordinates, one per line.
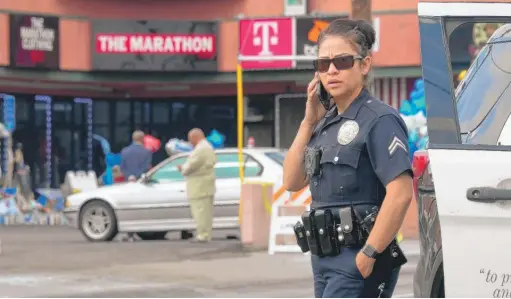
(169, 172)
(485, 84)
(276, 156)
(227, 166)
(223, 157)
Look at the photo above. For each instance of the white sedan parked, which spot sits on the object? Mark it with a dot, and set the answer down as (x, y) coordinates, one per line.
(157, 203)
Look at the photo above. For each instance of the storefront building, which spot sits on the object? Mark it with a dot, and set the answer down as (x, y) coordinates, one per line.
(77, 69)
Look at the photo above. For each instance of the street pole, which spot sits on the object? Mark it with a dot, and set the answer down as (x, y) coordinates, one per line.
(361, 10)
(240, 103)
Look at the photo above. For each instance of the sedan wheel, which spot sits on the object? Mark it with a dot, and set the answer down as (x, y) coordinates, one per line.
(98, 222)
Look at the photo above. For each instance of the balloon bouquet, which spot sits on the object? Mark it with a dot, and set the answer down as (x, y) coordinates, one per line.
(413, 112)
(176, 145)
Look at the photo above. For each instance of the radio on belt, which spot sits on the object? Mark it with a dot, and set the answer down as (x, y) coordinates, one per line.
(301, 237)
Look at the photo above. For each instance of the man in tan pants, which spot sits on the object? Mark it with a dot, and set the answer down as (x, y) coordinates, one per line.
(199, 172)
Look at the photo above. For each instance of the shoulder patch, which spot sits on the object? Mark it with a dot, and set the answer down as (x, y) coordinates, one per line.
(395, 145)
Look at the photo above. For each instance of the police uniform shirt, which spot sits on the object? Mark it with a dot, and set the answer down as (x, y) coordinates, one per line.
(363, 149)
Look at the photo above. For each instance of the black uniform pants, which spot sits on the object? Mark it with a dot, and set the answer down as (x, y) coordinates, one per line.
(339, 277)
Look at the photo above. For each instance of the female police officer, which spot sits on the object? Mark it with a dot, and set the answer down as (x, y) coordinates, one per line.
(363, 160)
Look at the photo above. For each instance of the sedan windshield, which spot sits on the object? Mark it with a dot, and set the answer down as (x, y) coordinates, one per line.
(277, 156)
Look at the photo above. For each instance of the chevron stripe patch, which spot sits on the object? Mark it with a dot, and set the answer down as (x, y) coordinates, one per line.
(395, 145)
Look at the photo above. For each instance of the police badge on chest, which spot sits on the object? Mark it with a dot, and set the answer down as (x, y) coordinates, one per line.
(347, 132)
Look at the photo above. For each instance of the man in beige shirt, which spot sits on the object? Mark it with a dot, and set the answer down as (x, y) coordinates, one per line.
(199, 172)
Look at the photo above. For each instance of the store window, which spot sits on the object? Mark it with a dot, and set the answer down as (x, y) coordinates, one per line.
(24, 105)
(101, 113)
(161, 113)
(101, 128)
(123, 128)
(114, 120)
(123, 113)
(142, 115)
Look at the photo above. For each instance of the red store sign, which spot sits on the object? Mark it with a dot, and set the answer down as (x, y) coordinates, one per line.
(202, 45)
(154, 45)
(266, 37)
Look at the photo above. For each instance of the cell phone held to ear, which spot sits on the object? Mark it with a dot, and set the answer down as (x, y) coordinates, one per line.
(323, 96)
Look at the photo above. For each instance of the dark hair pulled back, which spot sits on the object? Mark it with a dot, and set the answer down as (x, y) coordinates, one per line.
(359, 32)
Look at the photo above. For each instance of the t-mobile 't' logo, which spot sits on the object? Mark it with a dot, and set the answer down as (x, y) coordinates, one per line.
(265, 35)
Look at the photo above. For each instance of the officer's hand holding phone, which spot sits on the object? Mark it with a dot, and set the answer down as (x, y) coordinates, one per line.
(314, 110)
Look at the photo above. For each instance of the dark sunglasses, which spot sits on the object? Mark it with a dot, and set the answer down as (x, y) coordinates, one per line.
(343, 62)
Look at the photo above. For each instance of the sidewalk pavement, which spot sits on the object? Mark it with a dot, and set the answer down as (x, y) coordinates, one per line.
(256, 268)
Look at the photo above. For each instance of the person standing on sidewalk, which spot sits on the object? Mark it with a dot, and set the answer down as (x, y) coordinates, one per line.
(199, 172)
(135, 158)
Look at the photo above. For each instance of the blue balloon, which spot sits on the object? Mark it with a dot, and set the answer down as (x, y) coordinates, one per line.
(105, 145)
(60, 204)
(406, 108)
(108, 176)
(419, 104)
(9, 191)
(112, 159)
(42, 200)
(423, 143)
(216, 139)
(419, 84)
(411, 107)
(414, 110)
(414, 95)
(413, 137)
(179, 146)
(419, 93)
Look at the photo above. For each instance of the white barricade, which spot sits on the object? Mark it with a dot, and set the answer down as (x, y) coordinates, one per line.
(281, 226)
(79, 181)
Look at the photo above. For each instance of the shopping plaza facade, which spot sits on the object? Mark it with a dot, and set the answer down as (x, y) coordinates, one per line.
(80, 69)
